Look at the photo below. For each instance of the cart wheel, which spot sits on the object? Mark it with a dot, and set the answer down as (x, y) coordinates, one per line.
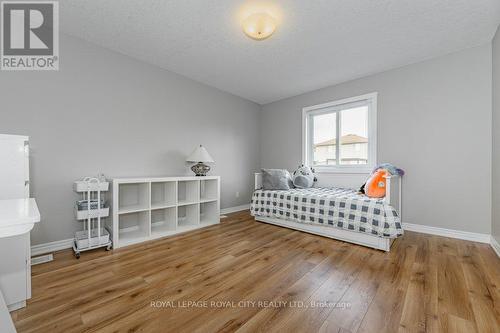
(77, 255)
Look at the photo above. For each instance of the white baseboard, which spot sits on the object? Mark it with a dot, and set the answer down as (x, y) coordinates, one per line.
(495, 245)
(16, 306)
(465, 235)
(234, 209)
(51, 247)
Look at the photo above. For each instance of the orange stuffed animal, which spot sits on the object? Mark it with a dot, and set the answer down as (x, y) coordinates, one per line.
(375, 186)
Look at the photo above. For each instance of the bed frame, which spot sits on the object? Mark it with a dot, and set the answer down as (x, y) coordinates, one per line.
(393, 197)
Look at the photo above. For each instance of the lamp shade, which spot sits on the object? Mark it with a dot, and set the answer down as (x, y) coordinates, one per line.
(200, 154)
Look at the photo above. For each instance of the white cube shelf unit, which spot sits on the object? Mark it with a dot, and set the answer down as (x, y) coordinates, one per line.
(150, 208)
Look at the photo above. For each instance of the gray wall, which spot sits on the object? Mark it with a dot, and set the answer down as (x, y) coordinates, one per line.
(495, 228)
(434, 121)
(105, 112)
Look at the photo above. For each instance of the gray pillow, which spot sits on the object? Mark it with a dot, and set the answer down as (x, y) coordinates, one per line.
(276, 179)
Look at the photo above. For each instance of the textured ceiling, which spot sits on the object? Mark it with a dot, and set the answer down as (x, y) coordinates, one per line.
(318, 43)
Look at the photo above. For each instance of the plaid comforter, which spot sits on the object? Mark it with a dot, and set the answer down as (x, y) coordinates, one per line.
(336, 207)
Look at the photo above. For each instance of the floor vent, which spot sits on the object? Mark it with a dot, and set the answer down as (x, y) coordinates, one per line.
(42, 259)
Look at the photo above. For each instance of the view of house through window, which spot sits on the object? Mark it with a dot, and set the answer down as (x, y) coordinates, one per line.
(346, 124)
(354, 136)
(324, 134)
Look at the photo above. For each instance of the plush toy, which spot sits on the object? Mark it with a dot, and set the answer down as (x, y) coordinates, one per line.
(304, 177)
(390, 168)
(375, 185)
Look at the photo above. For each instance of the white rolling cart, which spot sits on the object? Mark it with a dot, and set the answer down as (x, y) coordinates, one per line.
(91, 210)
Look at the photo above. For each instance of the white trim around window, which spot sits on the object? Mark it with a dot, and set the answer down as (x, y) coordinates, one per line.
(338, 106)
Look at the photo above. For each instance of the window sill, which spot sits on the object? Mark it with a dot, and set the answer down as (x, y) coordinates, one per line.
(341, 170)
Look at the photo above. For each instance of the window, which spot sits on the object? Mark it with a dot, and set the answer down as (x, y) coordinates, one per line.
(352, 124)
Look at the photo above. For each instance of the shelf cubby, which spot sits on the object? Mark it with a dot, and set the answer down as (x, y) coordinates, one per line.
(163, 194)
(151, 208)
(209, 213)
(188, 215)
(134, 227)
(188, 192)
(163, 221)
(209, 190)
(133, 197)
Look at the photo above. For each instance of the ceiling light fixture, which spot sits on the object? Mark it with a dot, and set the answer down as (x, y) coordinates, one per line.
(259, 26)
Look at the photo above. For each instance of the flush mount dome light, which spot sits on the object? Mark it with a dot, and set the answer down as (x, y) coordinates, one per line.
(259, 26)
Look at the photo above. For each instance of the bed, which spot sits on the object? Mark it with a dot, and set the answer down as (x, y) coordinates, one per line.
(339, 213)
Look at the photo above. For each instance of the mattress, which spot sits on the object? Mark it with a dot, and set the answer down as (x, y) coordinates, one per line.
(336, 207)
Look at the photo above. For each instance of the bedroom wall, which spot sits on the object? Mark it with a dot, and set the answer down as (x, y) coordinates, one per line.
(434, 121)
(105, 112)
(495, 227)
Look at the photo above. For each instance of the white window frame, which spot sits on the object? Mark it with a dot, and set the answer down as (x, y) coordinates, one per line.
(336, 106)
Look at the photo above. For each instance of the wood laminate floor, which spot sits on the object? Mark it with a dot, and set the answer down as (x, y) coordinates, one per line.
(219, 279)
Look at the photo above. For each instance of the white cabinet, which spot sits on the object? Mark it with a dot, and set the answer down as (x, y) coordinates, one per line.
(6, 324)
(15, 270)
(18, 214)
(150, 208)
(14, 161)
(17, 218)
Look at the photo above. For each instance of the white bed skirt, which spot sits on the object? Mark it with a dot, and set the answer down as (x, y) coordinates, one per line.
(367, 240)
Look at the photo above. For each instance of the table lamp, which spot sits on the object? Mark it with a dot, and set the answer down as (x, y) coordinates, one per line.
(200, 156)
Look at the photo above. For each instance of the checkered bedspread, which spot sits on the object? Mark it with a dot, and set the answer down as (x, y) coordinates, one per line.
(337, 207)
